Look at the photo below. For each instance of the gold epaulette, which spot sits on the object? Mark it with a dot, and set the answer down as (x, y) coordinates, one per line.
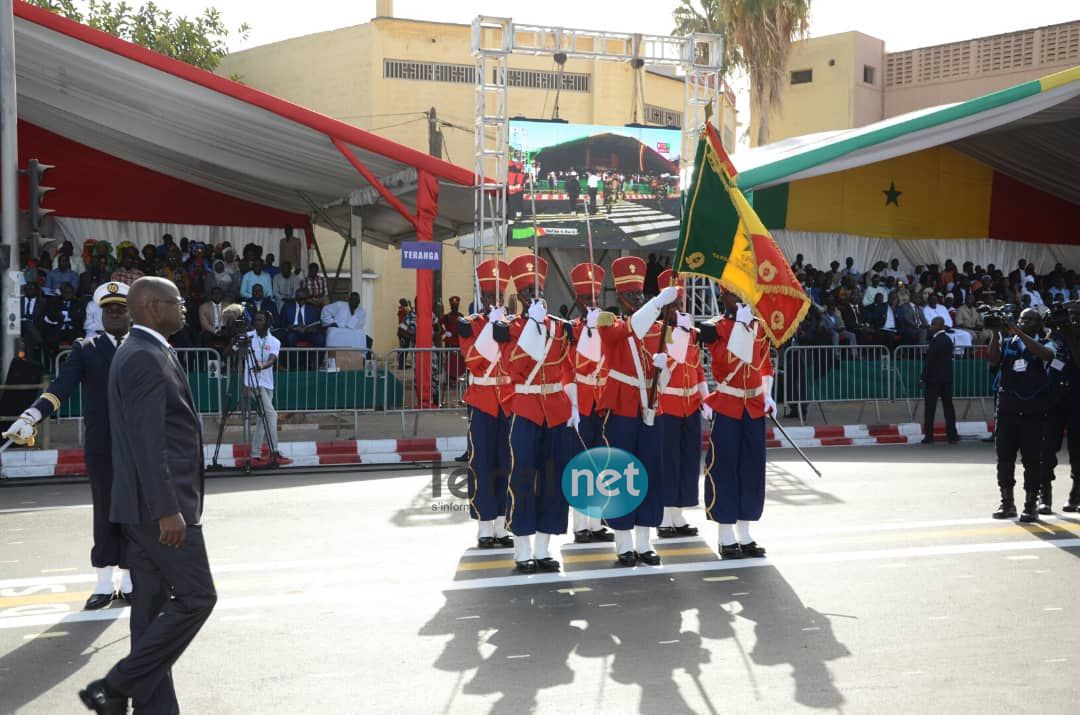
(605, 319)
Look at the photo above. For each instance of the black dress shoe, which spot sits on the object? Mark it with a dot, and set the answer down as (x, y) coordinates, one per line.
(686, 530)
(752, 550)
(666, 532)
(582, 537)
(627, 558)
(649, 558)
(125, 598)
(485, 542)
(97, 698)
(98, 601)
(730, 551)
(1070, 507)
(1046, 509)
(603, 535)
(504, 541)
(547, 565)
(462, 458)
(525, 566)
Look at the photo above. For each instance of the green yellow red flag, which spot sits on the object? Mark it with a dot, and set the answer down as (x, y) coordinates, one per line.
(722, 238)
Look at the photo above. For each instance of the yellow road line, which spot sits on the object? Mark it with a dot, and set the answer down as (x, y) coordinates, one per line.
(40, 598)
(603, 555)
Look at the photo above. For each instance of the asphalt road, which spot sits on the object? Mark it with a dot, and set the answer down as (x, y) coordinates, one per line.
(888, 589)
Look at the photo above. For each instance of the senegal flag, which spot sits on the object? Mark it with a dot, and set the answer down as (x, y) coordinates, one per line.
(723, 239)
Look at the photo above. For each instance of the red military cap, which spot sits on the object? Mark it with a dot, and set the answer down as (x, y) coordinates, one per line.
(588, 279)
(527, 269)
(493, 275)
(629, 274)
(665, 280)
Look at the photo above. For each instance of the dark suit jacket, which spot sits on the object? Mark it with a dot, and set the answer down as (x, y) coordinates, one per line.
(938, 368)
(87, 365)
(853, 317)
(38, 314)
(156, 439)
(309, 315)
(268, 306)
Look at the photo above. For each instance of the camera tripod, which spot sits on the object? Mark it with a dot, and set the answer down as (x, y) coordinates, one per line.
(241, 369)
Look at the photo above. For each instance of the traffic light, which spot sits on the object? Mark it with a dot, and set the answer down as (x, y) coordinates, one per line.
(35, 170)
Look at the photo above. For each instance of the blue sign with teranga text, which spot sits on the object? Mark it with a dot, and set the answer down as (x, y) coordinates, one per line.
(425, 255)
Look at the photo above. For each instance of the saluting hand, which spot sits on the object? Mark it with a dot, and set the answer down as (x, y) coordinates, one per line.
(173, 530)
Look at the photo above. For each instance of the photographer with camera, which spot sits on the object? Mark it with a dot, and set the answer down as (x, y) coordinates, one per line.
(1024, 405)
(259, 352)
(1064, 324)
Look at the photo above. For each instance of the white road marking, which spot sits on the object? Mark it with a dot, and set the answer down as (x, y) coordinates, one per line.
(54, 634)
(796, 559)
(1056, 660)
(668, 642)
(1053, 608)
(45, 508)
(68, 570)
(714, 579)
(1025, 557)
(741, 593)
(812, 628)
(514, 657)
(466, 618)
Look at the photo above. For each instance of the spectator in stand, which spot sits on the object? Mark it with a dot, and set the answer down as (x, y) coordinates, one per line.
(1058, 289)
(172, 271)
(934, 309)
(33, 320)
(854, 321)
(270, 268)
(127, 273)
(970, 320)
(63, 320)
(913, 320)
(60, 276)
(76, 262)
(289, 250)
(286, 283)
(1032, 292)
(1021, 270)
(950, 307)
(92, 322)
(259, 303)
(301, 320)
(874, 291)
(167, 244)
(797, 265)
(406, 333)
(882, 318)
(211, 319)
(256, 276)
(149, 263)
(315, 284)
(223, 280)
(185, 249)
(232, 265)
(849, 269)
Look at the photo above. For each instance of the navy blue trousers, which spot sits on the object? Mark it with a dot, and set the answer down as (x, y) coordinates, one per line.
(632, 435)
(735, 469)
(538, 456)
(682, 458)
(489, 464)
(591, 430)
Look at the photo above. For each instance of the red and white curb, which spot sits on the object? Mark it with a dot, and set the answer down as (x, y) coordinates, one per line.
(20, 464)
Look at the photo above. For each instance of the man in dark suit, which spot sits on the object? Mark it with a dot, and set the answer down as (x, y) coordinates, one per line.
(302, 321)
(937, 376)
(88, 367)
(260, 303)
(158, 497)
(33, 318)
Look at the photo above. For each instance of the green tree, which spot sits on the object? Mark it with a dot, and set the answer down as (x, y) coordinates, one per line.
(199, 41)
(757, 40)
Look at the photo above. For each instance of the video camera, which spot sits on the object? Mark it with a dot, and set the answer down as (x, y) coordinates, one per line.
(1059, 316)
(994, 316)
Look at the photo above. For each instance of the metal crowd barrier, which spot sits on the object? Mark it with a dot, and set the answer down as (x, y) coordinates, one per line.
(443, 392)
(826, 374)
(972, 378)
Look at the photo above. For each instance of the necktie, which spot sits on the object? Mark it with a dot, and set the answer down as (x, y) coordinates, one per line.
(217, 315)
(298, 314)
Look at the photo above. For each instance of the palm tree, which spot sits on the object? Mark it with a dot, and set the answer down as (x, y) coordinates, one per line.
(758, 36)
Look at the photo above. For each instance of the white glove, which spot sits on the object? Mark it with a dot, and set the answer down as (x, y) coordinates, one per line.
(448, 334)
(496, 314)
(22, 431)
(706, 411)
(684, 321)
(659, 361)
(575, 418)
(744, 314)
(538, 311)
(668, 295)
(770, 403)
(591, 317)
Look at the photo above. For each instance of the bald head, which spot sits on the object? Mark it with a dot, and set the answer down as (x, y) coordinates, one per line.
(937, 324)
(155, 303)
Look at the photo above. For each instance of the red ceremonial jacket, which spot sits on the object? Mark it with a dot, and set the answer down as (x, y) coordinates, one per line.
(543, 401)
(621, 398)
(744, 377)
(588, 374)
(486, 397)
(681, 397)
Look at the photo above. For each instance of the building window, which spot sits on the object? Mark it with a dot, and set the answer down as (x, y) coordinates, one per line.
(868, 73)
(661, 116)
(540, 79)
(802, 76)
(429, 71)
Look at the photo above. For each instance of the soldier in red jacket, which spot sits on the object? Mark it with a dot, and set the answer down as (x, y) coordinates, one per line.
(632, 352)
(544, 415)
(735, 464)
(680, 420)
(489, 425)
(588, 362)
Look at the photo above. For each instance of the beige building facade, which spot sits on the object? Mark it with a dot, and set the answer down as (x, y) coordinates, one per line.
(385, 75)
(849, 80)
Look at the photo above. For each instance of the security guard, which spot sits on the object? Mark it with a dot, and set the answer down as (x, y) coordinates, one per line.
(544, 416)
(680, 420)
(735, 465)
(1065, 421)
(632, 351)
(88, 366)
(589, 373)
(1024, 405)
(489, 425)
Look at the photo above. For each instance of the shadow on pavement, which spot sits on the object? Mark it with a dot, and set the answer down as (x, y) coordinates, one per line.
(49, 659)
(785, 487)
(516, 642)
